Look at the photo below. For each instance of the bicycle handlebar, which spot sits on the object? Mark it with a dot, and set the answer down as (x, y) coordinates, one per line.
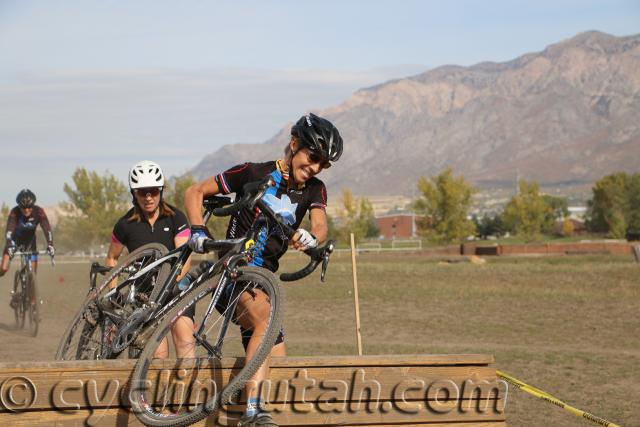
(317, 255)
(29, 253)
(97, 268)
(252, 192)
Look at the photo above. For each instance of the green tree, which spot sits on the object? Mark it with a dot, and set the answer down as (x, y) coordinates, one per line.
(526, 212)
(95, 204)
(356, 216)
(489, 225)
(175, 188)
(445, 204)
(610, 207)
(557, 210)
(634, 203)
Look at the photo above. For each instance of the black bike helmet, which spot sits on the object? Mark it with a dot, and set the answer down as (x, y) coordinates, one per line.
(26, 198)
(318, 135)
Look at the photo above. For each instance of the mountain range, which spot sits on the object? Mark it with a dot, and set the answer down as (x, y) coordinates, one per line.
(563, 116)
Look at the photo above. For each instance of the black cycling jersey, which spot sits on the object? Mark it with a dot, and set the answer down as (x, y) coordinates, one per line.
(22, 229)
(133, 234)
(291, 203)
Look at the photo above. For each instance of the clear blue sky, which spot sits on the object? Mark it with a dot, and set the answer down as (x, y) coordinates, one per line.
(102, 84)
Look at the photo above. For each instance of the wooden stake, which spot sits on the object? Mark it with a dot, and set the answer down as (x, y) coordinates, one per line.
(355, 294)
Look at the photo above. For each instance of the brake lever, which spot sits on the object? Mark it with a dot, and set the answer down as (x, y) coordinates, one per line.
(325, 260)
(325, 264)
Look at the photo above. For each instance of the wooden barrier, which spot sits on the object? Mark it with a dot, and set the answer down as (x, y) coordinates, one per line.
(578, 248)
(429, 390)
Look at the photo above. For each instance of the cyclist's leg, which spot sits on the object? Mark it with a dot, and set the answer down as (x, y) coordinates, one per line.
(162, 352)
(253, 315)
(182, 333)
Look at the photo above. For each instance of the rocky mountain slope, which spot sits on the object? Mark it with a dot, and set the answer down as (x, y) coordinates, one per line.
(566, 115)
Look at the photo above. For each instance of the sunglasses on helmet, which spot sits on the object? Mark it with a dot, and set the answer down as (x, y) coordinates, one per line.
(146, 192)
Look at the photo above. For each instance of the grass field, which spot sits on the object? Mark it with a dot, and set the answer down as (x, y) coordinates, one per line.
(568, 325)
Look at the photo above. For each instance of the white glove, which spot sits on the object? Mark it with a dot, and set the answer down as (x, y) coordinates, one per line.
(307, 240)
(199, 234)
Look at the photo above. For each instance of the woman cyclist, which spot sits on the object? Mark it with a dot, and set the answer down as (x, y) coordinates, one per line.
(152, 220)
(314, 144)
(21, 231)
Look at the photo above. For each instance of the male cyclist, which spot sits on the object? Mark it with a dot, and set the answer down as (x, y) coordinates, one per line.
(315, 143)
(21, 230)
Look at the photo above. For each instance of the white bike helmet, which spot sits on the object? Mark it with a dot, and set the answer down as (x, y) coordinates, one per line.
(145, 174)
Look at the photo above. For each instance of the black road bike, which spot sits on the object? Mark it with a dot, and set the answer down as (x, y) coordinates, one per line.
(218, 294)
(131, 296)
(24, 298)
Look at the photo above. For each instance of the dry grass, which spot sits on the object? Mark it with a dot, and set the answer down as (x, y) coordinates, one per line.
(568, 325)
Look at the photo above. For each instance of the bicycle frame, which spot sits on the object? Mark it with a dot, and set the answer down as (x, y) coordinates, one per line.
(163, 302)
(26, 263)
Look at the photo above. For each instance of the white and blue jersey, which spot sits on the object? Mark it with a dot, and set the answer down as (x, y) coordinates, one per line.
(291, 202)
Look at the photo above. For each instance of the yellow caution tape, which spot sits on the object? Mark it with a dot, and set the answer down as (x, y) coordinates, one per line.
(555, 401)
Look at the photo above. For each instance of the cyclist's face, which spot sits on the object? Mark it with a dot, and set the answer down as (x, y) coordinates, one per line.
(148, 198)
(306, 164)
(26, 211)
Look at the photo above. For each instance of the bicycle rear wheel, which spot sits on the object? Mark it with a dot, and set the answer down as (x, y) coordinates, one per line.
(89, 335)
(209, 360)
(33, 305)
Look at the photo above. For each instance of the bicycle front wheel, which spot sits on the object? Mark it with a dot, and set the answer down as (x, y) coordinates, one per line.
(91, 331)
(17, 301)
(206, 359)
(33, 305)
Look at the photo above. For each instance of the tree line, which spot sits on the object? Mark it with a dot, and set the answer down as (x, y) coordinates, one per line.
(96, 201)
(445, 202)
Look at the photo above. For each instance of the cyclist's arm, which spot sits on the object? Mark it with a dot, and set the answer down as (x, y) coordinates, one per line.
(195, 195)
(179, 241)
(46, 227)
(12, 223)
(114, 252)
(319, 225)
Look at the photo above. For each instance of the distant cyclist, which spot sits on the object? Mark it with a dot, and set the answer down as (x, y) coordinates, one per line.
(21, 230)
(315, 143)
(152, 220)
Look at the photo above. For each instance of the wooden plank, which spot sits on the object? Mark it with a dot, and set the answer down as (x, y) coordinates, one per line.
(123, 418)
(100, 389)
(369, 390)
(307, 361)
(385, 413)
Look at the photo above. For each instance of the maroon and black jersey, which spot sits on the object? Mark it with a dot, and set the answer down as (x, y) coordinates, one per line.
(291, 204)
(22, 229)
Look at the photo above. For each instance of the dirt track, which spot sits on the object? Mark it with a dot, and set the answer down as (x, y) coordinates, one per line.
(60, 301)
